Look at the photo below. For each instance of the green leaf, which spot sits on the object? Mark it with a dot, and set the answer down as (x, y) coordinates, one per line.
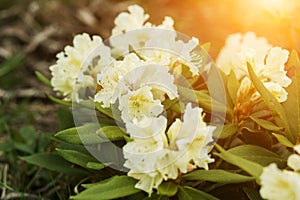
(292, 104)
(65, 118)
(87, 135)
(105, 111)
(203, 98)
(272, 103)
(258, 155)
(233, 86)
(12, 63)
(75, 147)
(228, 130)
(6, 146)
(27, 140)
(53, 162)
(156, 197)
(23, 147)
(96, 165)
(6, 186)
(252, 168)
(168, 188)
(58, 101)
(43, 79)
(115, 187)
(29, 135)
(252, 194)
(266, 124)
(255, 136)
(283, 140)
(292, 63)
(217, 175)
(113, 133)
(261, 112)
(189, 193)
(137, 196)
(76, 157)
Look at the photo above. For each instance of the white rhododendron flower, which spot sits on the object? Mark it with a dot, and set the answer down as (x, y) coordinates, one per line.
(144, 155)
(167, 51)
(135, 19)
(278, 185)
(111, 76)
(238, 45)
(266, 61)
(294, 159)
(152, 158)
(157, 44)
(139, 87)
(274, 67)
(138, 104)
(278, 92)
(135, 92)
(75, 69)
(156, 76)
(190, 138)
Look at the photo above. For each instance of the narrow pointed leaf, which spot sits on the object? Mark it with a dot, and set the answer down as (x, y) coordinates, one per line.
(58, 101)
(266, 124)
(203, 98)
(113, 133)
(228, 130)
(115, 187)
(156, 197)
(189, 193)
(12, 63)
(258, 155)
(105, 111)
(292, 104)
(43, 79)
(283, 140)
(76, 157)
(3, 185)
(252, 168)
(218, 176)
(272, 103)
(233, 86)
(78, 135)
(53, 162)
(252, 194)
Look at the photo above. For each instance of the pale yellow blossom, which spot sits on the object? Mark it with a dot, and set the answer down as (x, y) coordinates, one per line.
(75, 69)
(279, 185)
(111, 76)
(294, 159)
(266, 61)
(152, 158)
(138, 104)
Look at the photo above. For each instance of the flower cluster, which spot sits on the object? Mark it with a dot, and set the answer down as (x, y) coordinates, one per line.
(156, 154)
(136, 74)
(279, 184)
(140, 83)
(267, 62)
(74, 70)
(165, 100)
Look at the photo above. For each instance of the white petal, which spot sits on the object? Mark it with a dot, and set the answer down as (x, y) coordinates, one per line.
(294, 162)
(278, 185)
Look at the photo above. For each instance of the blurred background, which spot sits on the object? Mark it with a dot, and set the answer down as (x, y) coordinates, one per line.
(33, 31)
